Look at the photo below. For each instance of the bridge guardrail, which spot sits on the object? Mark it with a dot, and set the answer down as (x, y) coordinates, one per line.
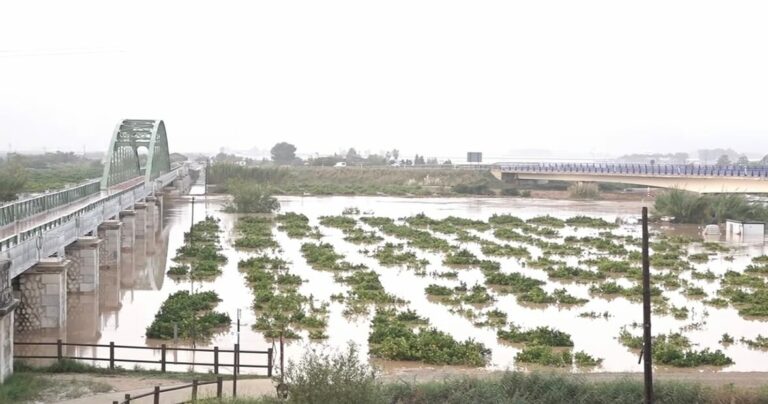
(638, 169)
(22, 209)
(27, 248)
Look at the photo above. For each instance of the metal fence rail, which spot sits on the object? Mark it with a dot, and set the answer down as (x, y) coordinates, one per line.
(675, 170)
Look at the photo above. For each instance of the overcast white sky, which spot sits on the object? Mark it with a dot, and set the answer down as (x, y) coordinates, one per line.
(437, 77)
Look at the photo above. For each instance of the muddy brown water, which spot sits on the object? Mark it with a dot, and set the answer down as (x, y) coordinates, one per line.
(123, 309)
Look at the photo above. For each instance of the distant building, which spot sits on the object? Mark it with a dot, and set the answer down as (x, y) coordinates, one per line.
(736, 230)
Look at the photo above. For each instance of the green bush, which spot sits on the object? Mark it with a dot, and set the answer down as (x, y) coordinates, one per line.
(545, 356)
(538, 336)
(193, 313)
(584, 190)
(248, 197)
(341, 377)
(394, 339)
(473, 189)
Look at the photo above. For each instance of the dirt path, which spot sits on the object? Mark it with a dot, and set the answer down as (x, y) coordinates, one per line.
(139, 384)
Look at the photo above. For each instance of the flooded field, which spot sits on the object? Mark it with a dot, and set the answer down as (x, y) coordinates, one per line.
(593, 318)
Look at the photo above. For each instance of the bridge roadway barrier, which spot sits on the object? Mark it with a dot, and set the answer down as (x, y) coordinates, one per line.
(26, 244)
(695, 178)
(698, 170)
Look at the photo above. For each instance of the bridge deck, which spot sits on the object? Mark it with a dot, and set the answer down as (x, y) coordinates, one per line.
(656, 170)
(29, 223)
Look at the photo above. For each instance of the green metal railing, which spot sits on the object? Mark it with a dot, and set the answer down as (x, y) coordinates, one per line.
(25, 208)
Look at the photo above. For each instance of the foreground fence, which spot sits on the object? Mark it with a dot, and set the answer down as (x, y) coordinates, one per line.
(194, 386)
(164, 360)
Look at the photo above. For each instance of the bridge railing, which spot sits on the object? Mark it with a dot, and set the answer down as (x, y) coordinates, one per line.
(638, 169)
(25, 208)
(26, 248)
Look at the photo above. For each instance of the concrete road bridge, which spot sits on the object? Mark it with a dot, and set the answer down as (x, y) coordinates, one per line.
(55, 244)
(696, 178)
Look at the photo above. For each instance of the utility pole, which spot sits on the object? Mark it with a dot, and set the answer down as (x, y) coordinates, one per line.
(191, 267)
(191, 242)
(647, 348)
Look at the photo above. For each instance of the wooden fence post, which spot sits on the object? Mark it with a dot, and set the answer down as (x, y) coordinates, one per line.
(234, 371)
(127, 398)
(111, 355)
(215, 360)
(162, 358)
(269, 362)
(59, 350)
(237, 359)
(157, 395)
(194, 390)
(219, 386)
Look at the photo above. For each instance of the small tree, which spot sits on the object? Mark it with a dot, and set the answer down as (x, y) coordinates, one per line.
(352, 155)
(251, 198)
(12, 180)
(333, 377)
(584, 190)
(723, 160)
(283, 153)
(743, 160)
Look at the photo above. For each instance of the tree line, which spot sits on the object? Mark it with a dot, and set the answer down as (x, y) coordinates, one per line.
(284, 153)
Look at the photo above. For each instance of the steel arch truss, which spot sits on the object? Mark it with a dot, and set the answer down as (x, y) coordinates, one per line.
(123, 161)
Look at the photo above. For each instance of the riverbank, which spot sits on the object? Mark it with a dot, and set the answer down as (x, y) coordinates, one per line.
(736, 387)
(320, 181)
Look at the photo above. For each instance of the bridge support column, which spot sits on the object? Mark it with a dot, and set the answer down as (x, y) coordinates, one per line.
(160, 209)
(109, 287)
(84, 274)
(128, 229)
(151, 223)
(7, 306)
(141, 219)
(43, 296)
(110, 246)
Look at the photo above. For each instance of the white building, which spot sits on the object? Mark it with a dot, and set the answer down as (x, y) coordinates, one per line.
(736, 230)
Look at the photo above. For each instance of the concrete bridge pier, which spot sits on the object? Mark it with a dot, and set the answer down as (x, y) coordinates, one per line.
(83, 279)
(83, 317)
(127, 269)
(7, 306)
(141, 220)
(111, 243)
(42, 294)
(109, 288)
(127, 230)
(83, 276)
(160, 209)
(151, 220)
